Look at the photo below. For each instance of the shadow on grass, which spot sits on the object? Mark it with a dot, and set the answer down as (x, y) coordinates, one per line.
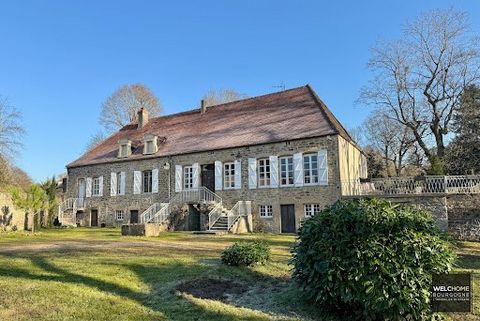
(272, 296)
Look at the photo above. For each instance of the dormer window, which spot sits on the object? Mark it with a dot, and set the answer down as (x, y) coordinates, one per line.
(150, 144)
(124, 148)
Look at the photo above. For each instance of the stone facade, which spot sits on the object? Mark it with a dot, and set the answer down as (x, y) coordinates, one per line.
(106, 205)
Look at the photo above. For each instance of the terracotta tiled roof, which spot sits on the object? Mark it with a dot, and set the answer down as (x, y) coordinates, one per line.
(287, 115)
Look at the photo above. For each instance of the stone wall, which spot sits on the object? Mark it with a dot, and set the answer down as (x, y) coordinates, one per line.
(17, 218)
(298, 196)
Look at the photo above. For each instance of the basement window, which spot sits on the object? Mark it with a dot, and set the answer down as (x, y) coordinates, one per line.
(311, 209)
(119, 215)
(266, 211)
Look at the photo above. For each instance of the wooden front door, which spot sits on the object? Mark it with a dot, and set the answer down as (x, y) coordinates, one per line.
(208, 176)
(288, 218)
(133, 216)
(94, 218)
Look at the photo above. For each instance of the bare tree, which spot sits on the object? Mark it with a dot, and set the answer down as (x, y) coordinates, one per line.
(95, 140)
(11, 130)
(389, 137)
(221, 96)
(120, 108)
(419, 79)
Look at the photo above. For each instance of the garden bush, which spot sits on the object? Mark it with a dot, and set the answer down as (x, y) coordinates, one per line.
(370, 260)
(246, 253)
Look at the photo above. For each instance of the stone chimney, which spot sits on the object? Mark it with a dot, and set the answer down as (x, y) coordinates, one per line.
(142, 117)
(203, 108)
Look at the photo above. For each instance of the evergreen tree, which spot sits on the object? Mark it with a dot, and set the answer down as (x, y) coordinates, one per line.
(463, 152)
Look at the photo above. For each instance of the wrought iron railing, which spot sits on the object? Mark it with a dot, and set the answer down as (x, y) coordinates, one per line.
(422, 185)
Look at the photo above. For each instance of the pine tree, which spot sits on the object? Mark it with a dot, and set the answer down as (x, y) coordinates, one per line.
(463, 152)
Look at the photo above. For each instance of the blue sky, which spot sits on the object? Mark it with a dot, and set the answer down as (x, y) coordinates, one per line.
(59, 60)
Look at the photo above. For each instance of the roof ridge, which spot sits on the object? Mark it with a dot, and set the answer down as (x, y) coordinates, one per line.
(186, 112)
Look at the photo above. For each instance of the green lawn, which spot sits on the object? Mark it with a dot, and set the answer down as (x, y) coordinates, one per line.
(96, 274)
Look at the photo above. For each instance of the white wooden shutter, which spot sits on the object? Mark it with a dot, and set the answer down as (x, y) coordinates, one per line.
(252, 173)
(218, 176)
(273, 171)
(88, 188)
(100, 186)
(322, 167)
(137, 182)
(113, 184)
(298, 169)
(178, 178)
(238, 174)
(155, 180)
(196, 175)
(122, 183)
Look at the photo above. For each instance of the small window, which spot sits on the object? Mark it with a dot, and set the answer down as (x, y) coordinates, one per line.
(310, 169)
(286, 171)
(119, 215)
(228, 175)
(266, 211)
(147, 181)
(96, 186)
(119, 183)
(149, 147)
(150, 144)
(123, 150)
(311, 209)
(188, 177)
(263, 172)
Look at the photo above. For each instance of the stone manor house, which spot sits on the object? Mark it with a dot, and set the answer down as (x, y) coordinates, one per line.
(270, 161)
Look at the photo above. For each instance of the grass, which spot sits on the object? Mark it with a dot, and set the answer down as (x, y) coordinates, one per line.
(96, 274)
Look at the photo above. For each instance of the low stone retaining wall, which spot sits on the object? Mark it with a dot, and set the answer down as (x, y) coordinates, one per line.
(149, 229)
(458, 214)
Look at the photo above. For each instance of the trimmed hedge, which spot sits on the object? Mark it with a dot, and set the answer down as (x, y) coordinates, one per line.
(370, 260)
(246, 253)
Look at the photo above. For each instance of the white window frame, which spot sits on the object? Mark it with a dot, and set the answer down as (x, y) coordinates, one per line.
(96, 186)
(265, 211)
(263, 167)
(229, 175)
(147, 188)
(149, 143)
(187, 178)
(287, 174)
(119, 183)
(119, 215)
(308, 171)
(123, 150)
(311, 209)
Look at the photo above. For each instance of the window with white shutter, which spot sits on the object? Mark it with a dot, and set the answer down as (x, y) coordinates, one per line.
(228, 175)
(88, 189)
(273, 171)
(178, 178)
(122, 183)
(298, 169)
(155, 180)
(218, 175)
(187, 177)
(286, 171)
(310, 169)
(252, 173)
(264, 172)
(322, 167)
(96, 186)
(137, 182)
(196, 175)
(113, 184)
(238, 174)
(147, 181)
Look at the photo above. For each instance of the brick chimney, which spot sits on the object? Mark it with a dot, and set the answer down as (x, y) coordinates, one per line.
(142, 117)
(203, 108)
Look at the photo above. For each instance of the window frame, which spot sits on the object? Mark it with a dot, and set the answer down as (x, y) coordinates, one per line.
(96, 186)
(119, 213)
(289, 162)
(312, 209)
(267, 172)
(189, 180)
(147, 143)
(119, 183)
(311, 169)
(230, 178)
(149, 184)
(123, 150)
(265, 209)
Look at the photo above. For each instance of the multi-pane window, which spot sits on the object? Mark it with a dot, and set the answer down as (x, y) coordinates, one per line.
(311, 209)
(263, 172)
(124, 150)
(119, 215)
(96, 186)
(265, 210)
(310, 169)
(147, 181)
(149, 147)
(188, 177)
(119, 182)
(228, 175)
(286, 171)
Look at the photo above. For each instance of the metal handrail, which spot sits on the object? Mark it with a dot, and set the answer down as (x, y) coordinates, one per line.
(214, 215)
(241, 208)
(458, 184)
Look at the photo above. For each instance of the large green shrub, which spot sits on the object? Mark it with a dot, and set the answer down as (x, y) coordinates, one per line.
(370, 260)
(246, 253)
